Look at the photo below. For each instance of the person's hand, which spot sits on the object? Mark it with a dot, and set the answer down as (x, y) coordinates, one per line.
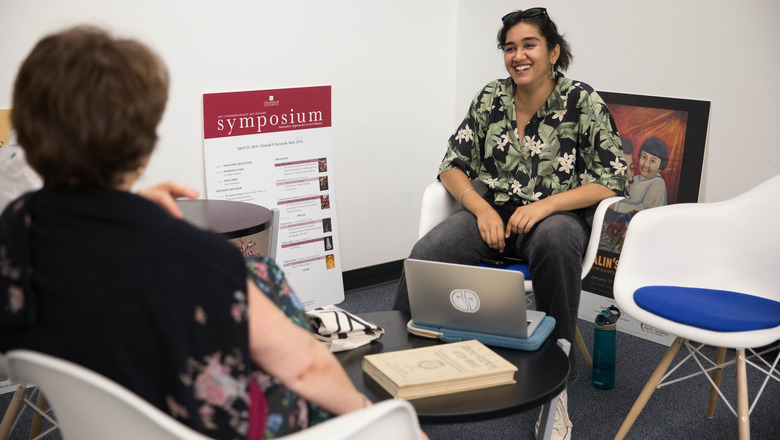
(491, 228)
(526, 216)
(166, 193)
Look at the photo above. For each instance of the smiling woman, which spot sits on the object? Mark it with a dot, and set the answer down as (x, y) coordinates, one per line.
(547, 149)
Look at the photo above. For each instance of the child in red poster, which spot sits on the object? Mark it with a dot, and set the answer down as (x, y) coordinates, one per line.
(648, 189)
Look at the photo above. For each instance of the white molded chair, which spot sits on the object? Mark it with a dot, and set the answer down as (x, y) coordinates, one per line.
(89, 406)
(17, 405)
(438, 204)
(706, 272)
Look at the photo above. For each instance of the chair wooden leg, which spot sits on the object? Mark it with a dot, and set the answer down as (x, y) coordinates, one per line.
(11, 411)
(583, 348)
(717, 376)
(37, 421)
(743, 413)
(649, 388)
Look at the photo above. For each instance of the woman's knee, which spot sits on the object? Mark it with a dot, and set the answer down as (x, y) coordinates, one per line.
(557, 234)
(453, 240)
(425, 248)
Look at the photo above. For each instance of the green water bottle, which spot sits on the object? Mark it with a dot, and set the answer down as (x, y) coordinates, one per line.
(604, 333)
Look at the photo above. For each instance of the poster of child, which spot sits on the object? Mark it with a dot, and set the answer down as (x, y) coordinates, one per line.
(663, 145)
(647, 190)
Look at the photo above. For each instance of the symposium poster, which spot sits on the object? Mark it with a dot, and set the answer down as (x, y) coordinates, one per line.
(273, 148)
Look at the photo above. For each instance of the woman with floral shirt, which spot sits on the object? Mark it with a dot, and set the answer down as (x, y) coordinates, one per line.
(547, 149)
(94, 274)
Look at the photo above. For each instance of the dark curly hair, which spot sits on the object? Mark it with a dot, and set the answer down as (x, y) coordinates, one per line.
(86, 107)
(547, 29)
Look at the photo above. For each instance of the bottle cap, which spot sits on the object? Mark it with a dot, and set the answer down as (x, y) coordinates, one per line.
(608, 316)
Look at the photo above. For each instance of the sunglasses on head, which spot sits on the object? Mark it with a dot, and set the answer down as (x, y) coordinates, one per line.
(528, 13)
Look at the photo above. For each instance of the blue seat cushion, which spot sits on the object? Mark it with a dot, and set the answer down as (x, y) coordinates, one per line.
(716, 310)
(503, 265)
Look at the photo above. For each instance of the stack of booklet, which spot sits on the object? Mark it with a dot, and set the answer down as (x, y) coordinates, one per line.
(439, 369)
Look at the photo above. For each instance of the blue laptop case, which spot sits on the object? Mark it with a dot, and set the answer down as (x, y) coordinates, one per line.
(448, 335)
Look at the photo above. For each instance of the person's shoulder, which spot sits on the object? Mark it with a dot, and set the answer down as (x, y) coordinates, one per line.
(582, 93)
(15, 205)
(573, 84)
(658, 179)
(265, 267)
(655, 180)
(500, 83)
(499, 88)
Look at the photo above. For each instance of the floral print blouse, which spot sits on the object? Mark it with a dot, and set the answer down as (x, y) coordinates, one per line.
(572, 140)
(218, 384)
(108, 280)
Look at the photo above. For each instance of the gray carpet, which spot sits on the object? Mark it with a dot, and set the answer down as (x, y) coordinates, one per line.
(674, 412)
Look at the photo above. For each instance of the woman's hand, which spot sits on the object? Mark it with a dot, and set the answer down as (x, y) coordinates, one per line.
(491, 228)
(166, 193)
(526, 216)
(489, 223)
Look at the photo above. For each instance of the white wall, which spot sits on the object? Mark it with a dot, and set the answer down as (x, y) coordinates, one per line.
(403, 72)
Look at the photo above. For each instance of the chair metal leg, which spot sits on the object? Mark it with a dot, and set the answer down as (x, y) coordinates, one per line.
(743, 413)
(717, 376)
(583, 348)
(37, 421)
(11, 411)
(649, 388)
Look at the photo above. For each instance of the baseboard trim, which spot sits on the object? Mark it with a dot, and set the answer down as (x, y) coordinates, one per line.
(372, 275)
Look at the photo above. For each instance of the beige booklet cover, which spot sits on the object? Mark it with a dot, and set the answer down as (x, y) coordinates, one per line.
(439, 369)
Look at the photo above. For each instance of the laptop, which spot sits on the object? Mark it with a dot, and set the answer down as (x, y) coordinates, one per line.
(469, 298)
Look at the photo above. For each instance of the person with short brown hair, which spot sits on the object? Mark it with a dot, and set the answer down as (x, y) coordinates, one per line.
(99, 97)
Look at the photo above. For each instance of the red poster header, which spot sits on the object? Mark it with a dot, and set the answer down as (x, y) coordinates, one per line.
(265, 111)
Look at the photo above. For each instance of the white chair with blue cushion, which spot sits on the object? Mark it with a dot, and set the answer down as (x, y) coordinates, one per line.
(438, 204)
(88, 406)
(706, 272)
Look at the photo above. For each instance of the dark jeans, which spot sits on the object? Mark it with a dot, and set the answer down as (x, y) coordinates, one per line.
(553, 250)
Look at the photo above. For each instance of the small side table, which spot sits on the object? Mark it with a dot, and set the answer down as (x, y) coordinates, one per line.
(245, 224)
(229, 218)
(540, 377)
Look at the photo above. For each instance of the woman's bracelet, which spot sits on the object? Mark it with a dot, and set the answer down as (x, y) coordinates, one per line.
(464, 193)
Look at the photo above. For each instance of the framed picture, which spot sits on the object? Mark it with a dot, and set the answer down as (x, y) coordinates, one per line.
(663, 141)
(663, 144)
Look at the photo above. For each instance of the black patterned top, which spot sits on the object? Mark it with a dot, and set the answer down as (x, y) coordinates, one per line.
(108, 280)
(572, 140)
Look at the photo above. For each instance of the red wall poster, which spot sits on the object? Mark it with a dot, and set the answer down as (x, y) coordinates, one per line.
(273, 148)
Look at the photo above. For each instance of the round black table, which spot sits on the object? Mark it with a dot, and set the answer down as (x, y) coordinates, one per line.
(229, 218)
(541, 375)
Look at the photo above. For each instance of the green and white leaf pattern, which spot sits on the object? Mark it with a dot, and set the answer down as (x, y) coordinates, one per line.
(572, 140)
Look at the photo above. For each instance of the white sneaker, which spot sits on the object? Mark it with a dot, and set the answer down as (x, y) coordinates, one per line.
(562, 425)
